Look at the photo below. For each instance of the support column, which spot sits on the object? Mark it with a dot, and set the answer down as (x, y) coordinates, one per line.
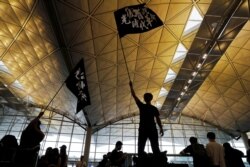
(87, 144)
(245, 140)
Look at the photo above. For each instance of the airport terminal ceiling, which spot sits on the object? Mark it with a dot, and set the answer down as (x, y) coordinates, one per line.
(196, 64)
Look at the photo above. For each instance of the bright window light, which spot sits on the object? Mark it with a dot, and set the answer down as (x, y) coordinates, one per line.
(163, 92)
(171, 75)
(158, 105)
(28, 99)
(180, 53)
(17, 84)
(3, 67)
(193, 22)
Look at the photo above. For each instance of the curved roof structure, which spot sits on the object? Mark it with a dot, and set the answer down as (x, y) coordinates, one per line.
(196, 64)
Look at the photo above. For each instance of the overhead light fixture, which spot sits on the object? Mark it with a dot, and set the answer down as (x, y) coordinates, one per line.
(182, 93)
(194, 73)
(185, 87)
(204, 56)
(189, 81)
(199, 66)
(179, 99)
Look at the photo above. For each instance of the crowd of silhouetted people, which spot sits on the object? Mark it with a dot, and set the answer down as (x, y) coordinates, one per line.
(25, 154)
(117, 158)
(211, 155)
(54, 158)
(214, 154)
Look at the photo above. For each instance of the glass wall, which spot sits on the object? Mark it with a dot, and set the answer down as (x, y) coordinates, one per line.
(58, 130)
(61, 131)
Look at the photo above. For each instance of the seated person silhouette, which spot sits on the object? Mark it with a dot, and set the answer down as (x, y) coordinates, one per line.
(117, 157)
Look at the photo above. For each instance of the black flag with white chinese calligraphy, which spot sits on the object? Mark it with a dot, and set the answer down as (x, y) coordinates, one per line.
(77, 84)
(136, 19)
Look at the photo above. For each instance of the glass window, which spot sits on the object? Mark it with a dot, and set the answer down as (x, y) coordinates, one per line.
(99, 156)
(116, 131)
(103, 139)
(77, 138)
(49, 144)
(114, 139)
(76, 147)
(176, 136)
(129, 148)
(52, 137)
(103, 148)
(128, 132)
(178, 133)
(129, 140)
(54, 129)
(79, 130)
(66, 129)
(64, 138)
(75, 154)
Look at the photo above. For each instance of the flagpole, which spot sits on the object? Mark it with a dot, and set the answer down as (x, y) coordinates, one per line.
(53, 97)
(125, 59)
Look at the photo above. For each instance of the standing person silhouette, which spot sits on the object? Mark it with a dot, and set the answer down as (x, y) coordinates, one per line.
(147, 127)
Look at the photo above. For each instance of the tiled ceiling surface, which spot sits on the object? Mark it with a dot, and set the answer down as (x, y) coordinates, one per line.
(37, 64)
(223, 99)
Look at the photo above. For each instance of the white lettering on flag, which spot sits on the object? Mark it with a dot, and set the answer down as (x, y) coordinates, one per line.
(138, 18)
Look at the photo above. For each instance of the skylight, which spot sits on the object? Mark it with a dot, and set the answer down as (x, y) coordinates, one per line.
(3, 67)
(17, 84)
(180, 53)
(28, 99)
(163, 92)
(170, 76)
(193, 22)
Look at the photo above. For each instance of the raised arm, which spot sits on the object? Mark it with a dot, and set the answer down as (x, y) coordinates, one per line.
(133, 92)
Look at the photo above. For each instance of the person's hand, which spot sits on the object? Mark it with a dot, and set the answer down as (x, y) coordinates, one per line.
(161, 132)
(182, 152)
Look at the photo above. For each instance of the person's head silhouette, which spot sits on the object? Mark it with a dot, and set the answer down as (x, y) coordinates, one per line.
(118, 145)
(148, 97)
(193, 140)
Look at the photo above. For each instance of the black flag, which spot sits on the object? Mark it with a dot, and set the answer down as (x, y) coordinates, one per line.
(77, 84)
(136, 19)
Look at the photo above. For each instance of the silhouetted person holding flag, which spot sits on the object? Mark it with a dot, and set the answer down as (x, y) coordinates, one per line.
(147, 128)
